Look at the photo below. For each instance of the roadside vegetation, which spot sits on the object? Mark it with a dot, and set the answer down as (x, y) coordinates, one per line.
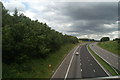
(112, 46)
(109, 68)
(37, 68)
(28, 46)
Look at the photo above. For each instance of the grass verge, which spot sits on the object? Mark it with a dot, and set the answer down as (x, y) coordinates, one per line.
(104, 64)
(39, 67)
(111, 46)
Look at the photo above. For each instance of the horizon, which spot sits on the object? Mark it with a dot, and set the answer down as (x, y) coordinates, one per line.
(92, 20)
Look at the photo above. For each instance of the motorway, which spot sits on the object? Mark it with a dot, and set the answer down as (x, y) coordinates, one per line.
(109, 57)
(79, 66)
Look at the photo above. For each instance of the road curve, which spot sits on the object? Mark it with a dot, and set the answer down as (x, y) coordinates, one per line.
(109, 57)
(79, 66)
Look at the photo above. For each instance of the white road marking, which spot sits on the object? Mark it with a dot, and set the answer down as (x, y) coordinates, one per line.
(80, 64)
(91, 64)
(59, 66)
(81, 70)
(70, 64)
(88, 60)
(106, 61)
(115, 57)
(98, 62)
(93, 70)
(87, 57)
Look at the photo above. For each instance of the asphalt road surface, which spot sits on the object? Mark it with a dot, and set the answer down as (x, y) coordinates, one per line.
(79, 66)
(109, 57)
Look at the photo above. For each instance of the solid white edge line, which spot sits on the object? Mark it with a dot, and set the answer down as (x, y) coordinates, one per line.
(80, 61)
(59, 66)
(98, 62)
(70, 64)
(104, 60)
(108, 51)
(103, 78)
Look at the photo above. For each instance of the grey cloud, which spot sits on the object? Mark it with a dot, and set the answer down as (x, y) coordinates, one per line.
(94, 15)
(89, 18)
(91, 27)
(85, 17)
(92, 11)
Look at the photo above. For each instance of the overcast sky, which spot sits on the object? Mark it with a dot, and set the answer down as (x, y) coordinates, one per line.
(82, 19)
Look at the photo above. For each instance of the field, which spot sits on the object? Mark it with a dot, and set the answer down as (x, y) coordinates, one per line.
(37, 68)
(111, 46)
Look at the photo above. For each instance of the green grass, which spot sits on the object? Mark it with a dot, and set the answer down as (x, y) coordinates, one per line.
(111, 46)
(39, 67)
(104, 64)
(80, 41)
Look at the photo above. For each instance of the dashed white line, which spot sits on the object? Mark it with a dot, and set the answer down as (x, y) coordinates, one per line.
(91, 64)
(88, 60)
(80, 64)
(81, 70)
(93, 70)
(98, 62)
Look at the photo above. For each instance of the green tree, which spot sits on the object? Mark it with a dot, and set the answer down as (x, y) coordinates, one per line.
(25, 39)
(104, 39)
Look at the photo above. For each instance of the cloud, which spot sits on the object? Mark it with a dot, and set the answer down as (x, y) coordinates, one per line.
(81, 19)
(91, 11)
(14, 4)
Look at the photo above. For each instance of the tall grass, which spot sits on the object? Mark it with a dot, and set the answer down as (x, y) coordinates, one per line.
(111, 46)
(37, 68)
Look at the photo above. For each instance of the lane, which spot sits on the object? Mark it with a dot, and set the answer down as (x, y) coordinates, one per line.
(90, 68)
(111, 58)
(79, 66)
(75, 70)
(61, 71)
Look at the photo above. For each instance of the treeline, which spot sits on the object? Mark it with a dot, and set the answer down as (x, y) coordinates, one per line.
(24, 39)
(116, 39)
(103, 39)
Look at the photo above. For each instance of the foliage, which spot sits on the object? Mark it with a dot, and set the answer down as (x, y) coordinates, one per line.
(116, 39)
(25, 39)
(105, 39)
(37, 68)
(112, 46)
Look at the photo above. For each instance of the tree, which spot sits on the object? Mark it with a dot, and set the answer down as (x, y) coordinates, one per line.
(104, 39)
(25, 39)
(116, 39)
(15, 12)
(6, 18)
